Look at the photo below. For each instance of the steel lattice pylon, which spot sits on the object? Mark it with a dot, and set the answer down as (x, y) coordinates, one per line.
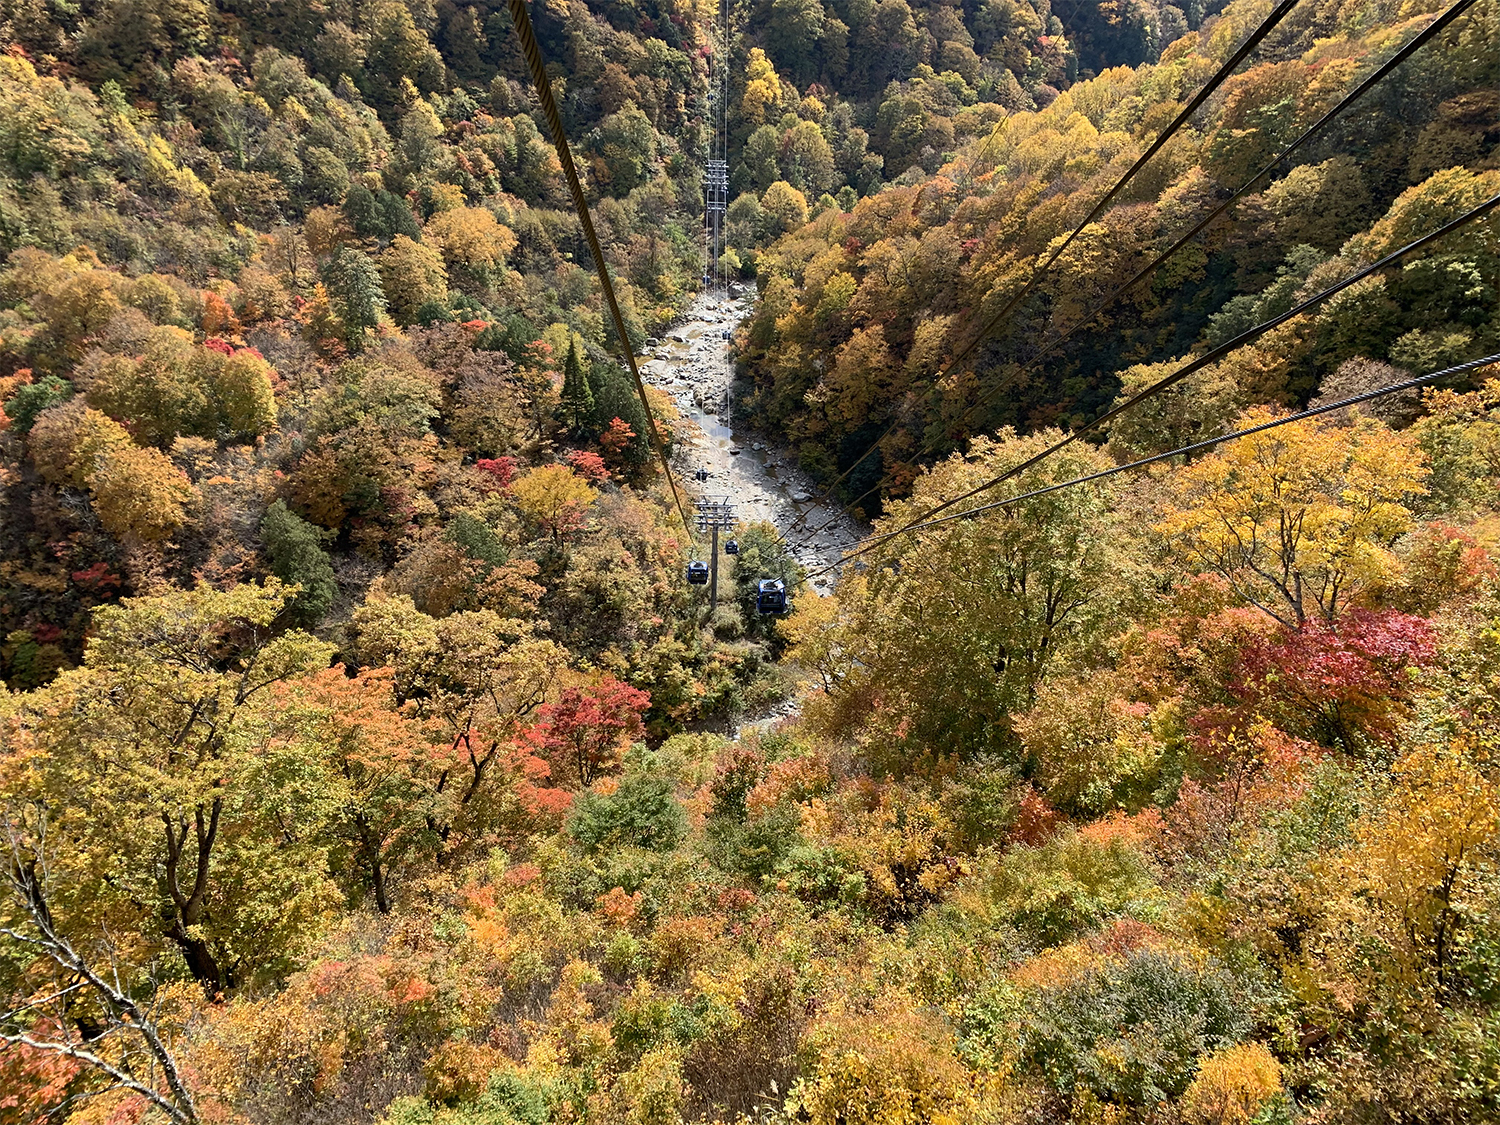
(713, 516)
(716, 173)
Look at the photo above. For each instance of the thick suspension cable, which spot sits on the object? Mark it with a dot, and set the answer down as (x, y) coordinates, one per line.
(1213, 355)
(1189, 450)
(1222, 75)
(1415, 44)
(1195, 365)
(533, 53)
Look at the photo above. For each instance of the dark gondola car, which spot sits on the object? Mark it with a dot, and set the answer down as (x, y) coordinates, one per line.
(732, 547)
(697, 573)
(701, 474)
(770, 596)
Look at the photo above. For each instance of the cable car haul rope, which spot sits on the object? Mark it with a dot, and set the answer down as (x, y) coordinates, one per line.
(1440, 22)
(1222, 75)
(1186, 450)
(533, 53)
(1213, 355)
(771, 593)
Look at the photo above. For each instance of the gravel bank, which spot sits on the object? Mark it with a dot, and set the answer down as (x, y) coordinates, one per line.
(762, 480)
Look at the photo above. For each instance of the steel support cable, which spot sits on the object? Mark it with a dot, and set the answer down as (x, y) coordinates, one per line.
(1196, 447)
(533, 53)
(1213, 355)
(1223, 74)
(1415, 44)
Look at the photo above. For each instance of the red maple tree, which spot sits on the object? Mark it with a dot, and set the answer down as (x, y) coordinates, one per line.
(1340, 686)
(614, 441)
(588, 728)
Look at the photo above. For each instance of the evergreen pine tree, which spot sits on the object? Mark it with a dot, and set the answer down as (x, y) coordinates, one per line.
(354, 284)
(362, 211)
(297, 555)
(577, 396)
(615, 397)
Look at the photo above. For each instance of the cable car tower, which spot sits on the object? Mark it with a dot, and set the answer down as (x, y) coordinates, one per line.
(716, 174)
(716, 188)
(713, 515)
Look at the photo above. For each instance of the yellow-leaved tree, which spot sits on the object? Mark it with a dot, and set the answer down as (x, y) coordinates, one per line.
(897, 1065)
(1300, 519)
(411, 274)
(176, 387)
(1422, 869)
(952, 628)
(138, 493)
(554, 498)
(474, 244)
(476, 678)
(762, 96)
(171, 812)
(1232, 1086)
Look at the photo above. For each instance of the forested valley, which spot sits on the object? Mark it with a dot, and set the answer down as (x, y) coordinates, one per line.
(367, 758)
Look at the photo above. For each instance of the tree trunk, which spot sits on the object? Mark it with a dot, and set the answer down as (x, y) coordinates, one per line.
(201, 962)
(188, 907)
(371, 847)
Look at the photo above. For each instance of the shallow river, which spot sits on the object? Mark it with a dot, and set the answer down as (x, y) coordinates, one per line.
(761, 480)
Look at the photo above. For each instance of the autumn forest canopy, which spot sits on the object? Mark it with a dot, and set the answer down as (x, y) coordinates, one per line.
(366, 758)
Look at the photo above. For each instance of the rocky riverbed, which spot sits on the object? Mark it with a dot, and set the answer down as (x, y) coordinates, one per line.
(760, 479)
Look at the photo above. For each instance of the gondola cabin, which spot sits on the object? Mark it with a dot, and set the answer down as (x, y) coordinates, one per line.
(697, 573)
(732, 547)
(770, 596)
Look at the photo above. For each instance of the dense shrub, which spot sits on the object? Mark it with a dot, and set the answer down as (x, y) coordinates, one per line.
(642, 811)
(1132, 1033)
(1071, 884)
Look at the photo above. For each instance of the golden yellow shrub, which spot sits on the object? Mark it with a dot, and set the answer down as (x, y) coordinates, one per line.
(458, 1071)
(1232, 1085)
(893, 1066)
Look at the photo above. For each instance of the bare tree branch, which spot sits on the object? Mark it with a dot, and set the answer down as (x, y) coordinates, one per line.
(120, 1079)
(27, 878)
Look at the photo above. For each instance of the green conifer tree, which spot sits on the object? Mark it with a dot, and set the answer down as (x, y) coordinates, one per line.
(297, 555)
(615, 397)
(577, 405)
(354, 284)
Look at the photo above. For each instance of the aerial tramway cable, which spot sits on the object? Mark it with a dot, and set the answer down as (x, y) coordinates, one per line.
(716, 172)
(1224, 72)
(1213, 355)
(1416, 43)
(1196, 447)
(533, 53)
